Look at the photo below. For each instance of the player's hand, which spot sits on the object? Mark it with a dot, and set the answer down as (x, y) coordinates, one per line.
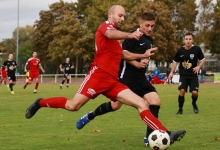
(72, 67)
(43, 70)
(170, 76)
(150, 52)
(25, 70)
(136, 35)
(196, 69)
(61, 70)
(144, 62)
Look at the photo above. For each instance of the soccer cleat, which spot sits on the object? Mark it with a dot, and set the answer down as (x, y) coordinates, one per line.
(35, 91)
(180, 111)
(12, 92)
(82, 121)
(146, 142)
(176, 135)
(195, 109)
(60, 86)
(67, 86)
(32, 109)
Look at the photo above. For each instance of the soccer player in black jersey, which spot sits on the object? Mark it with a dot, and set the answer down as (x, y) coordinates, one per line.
(11, 66)
(188, 57)
(65, 68)
(132, 73)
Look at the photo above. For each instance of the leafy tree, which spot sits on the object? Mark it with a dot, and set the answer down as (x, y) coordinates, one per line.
(215, 31)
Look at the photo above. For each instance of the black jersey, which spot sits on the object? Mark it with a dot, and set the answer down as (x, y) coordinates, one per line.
(10, 65)
(66, 67)
(135, 46)
(188, 59)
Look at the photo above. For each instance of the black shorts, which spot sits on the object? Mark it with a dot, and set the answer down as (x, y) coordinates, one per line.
(192, 82)
(139, 86)
(11, 77)
(65, 75)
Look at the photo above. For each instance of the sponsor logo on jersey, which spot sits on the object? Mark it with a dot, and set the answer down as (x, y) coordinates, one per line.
(186, 64)
(91, 92)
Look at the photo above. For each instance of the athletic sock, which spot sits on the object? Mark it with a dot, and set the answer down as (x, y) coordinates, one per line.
(155, 111)
(181, 100)
(194, 99)
(102, 109)
(36, 86)
(67, 82)
(53, 102)
(5, 82)
(11, 86)
(151, 121)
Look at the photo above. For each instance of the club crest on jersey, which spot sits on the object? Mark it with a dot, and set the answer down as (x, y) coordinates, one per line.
(191, 56)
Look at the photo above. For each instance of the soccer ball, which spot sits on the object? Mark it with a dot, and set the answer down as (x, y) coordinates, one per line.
(159, 140)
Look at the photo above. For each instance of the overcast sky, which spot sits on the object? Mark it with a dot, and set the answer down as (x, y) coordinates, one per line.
(29, 12)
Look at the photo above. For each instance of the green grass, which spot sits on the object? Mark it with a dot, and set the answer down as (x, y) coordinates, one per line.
(54, 129)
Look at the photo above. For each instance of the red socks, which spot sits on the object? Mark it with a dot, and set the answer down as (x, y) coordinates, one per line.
(151, 121)
(36, 86)
(54, 102)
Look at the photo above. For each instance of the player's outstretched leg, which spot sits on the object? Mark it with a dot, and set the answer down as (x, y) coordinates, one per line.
(176, 135)
(83, 121)
(32, 109)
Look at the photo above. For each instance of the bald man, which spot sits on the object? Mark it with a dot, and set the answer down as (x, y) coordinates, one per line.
(102, 78)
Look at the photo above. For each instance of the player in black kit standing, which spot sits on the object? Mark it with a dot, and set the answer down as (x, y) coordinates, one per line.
(132, 73)
(188, 57)
(11, 66)
(65, 68)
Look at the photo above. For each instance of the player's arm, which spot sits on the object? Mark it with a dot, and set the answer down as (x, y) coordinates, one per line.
(142, 64)
(61, 69)
(25, 67)
(72, 67)
(126, 55)
(119, 35)
(197, 68)
(174, 64)
(41, 68)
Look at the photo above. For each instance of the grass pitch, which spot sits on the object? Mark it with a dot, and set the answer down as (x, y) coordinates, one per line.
(54, 129)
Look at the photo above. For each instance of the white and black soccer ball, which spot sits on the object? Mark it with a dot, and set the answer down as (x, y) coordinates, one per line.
(159, 140)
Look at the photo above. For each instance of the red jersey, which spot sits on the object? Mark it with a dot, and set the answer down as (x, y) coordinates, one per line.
(108, 51)
(3, 71)
(33, 65)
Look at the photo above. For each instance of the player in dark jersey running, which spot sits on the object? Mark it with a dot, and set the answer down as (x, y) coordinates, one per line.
(132, 74)
(102, 77)
(11, 67)
(188, 57)
(65, 68)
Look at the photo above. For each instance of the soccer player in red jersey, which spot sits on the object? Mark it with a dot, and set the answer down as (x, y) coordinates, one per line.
(102, 78)
(34, 65)
(4, 75)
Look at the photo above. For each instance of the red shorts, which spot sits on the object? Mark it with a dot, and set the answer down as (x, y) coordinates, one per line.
(97, 81)
(33, 75)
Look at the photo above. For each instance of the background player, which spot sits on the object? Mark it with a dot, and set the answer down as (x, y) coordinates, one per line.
(4, 76)
(102, 77)
(188, 57)
(65, 68)
(34, 65)
(132, 73)
(11, 66)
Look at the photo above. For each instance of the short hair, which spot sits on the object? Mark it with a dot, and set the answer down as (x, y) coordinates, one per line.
(147, 16)
(189, 33)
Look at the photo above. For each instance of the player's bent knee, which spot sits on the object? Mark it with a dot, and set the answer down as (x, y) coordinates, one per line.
(116, 105)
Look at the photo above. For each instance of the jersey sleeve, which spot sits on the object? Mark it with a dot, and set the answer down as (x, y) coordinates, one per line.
(106, 26)
(177, 56)
(201, 55)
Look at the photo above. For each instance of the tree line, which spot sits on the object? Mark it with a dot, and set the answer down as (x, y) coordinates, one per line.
(68, 30)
